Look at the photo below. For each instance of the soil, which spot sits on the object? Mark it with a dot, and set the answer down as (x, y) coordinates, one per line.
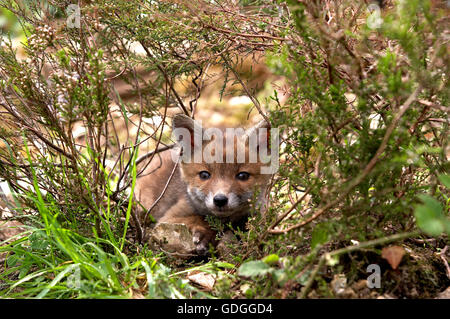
(422, 273)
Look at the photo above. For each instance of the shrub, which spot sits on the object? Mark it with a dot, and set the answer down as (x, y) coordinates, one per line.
(362, 111)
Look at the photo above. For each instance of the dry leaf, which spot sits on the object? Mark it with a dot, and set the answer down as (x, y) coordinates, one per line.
(393, 255)
(203, 279)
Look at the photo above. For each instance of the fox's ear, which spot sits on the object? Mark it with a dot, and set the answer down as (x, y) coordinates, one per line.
(263, 136)
(183, 121)
(261, 124)
(185, 127)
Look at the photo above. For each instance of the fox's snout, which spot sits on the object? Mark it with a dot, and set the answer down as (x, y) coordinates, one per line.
(219, 203)
(226, 203)
(220, 200)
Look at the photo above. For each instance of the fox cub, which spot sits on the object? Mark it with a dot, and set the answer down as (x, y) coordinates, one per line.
(208, 176)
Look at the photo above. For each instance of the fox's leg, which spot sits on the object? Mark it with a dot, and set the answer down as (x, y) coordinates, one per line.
(202, 234)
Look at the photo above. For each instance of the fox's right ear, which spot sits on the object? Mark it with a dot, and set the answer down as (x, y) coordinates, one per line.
(261, 139)
(185, 129)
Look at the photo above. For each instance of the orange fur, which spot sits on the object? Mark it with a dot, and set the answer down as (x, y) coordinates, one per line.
(189, 198)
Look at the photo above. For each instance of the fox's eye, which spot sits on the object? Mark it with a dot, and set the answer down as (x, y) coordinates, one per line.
(242, 176)
(204, 175)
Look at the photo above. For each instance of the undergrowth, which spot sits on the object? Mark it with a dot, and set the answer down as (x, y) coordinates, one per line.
(361, 100)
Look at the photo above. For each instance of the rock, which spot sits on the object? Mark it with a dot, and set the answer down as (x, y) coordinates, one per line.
(9, 229)
(203, 279)
(360, 285)
(175, 239)
(340, 288)
(339, 284)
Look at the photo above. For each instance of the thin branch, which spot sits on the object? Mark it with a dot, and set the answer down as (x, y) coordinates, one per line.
(150, 154)
(168, 81)
(244, 35)
(283, 216)
(247, 91)
(444, 260)
(175, 167)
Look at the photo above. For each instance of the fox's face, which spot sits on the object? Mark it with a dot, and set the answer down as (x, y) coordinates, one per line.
(223, 182)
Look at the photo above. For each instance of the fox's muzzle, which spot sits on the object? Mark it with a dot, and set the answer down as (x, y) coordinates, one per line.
(220, 200)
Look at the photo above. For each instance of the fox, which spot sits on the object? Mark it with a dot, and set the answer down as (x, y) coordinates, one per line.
(185, 191)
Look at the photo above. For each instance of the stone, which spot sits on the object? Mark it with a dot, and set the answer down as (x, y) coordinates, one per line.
(175, 239)
(203, 279)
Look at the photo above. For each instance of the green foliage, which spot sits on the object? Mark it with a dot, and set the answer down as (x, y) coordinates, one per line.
(362, 110)
(63, 264)
(445, 180)
(334, 118)
(57, 262)
(319, 236)
(360, 133)
(254, 268)
(431, 218)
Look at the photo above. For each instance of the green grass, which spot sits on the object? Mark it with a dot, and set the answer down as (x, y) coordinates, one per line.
(52, 259)
(54, 262)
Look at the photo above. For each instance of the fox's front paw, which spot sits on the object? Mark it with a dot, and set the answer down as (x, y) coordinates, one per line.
(201, 238)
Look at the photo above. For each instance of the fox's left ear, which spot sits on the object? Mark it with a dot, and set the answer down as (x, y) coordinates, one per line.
(263, 136)
(182, 122)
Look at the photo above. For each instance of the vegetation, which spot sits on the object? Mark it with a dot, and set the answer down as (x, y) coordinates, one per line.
(360, 94)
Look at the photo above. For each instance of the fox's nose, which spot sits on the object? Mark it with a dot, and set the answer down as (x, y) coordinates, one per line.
(220, 200)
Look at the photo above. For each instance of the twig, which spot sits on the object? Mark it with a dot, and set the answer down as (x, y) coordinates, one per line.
(161, 195)
(434, 105)
(247, 91)
(274, 224)
(149, 154)
(244, 35)
(312, 278)
(168, 81)
(33, 130)
(283, 216)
